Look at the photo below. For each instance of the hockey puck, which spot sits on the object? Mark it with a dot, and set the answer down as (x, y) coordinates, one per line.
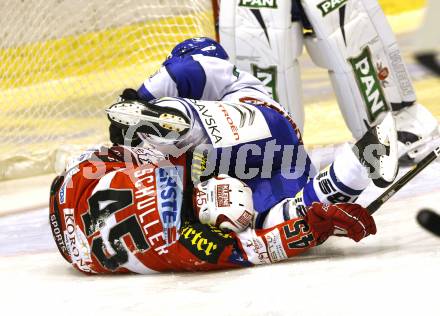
(429, 220)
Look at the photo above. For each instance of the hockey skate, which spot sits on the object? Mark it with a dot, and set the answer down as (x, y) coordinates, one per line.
(377, 151)
(157, 118)
(417, 132)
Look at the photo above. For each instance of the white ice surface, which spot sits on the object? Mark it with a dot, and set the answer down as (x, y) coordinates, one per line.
(396, 272)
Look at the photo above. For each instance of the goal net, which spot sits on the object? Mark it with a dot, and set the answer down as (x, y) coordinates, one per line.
(63, 62)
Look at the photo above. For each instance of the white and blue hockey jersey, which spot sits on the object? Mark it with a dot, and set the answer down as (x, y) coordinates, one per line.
(201, 77)
(208, 78)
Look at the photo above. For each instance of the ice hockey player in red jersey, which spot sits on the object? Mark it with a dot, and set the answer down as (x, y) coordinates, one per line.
(124, 209)
(138, 209)
(145, 209)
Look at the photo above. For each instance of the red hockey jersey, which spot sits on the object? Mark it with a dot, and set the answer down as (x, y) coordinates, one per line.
(124, 209)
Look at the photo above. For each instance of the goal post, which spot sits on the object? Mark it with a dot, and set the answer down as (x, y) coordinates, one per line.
(63, 62)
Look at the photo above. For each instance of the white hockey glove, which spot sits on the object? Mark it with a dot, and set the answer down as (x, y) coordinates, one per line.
(224, 202)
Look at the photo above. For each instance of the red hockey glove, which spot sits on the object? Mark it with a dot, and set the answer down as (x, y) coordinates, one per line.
(341, 219)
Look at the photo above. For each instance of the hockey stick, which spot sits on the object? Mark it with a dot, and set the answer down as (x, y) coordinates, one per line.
(396, 186)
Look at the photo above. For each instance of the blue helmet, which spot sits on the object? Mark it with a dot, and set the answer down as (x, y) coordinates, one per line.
(199, 45)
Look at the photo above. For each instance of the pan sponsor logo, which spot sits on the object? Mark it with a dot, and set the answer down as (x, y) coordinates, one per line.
(329, 6)
(270, 4)
(369, 84)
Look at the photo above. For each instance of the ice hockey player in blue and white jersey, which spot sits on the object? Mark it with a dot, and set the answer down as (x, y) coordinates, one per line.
(258, 143)
(239, 117)
(199, 68)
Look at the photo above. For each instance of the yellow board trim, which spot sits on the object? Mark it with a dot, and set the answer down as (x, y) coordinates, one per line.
(393, 7)
(76, 56)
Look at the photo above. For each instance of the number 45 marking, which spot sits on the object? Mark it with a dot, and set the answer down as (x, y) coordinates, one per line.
(102, 204)
(298, 227)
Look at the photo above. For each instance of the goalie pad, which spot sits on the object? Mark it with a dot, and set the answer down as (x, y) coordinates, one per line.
(261, 39)
(353, 40)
